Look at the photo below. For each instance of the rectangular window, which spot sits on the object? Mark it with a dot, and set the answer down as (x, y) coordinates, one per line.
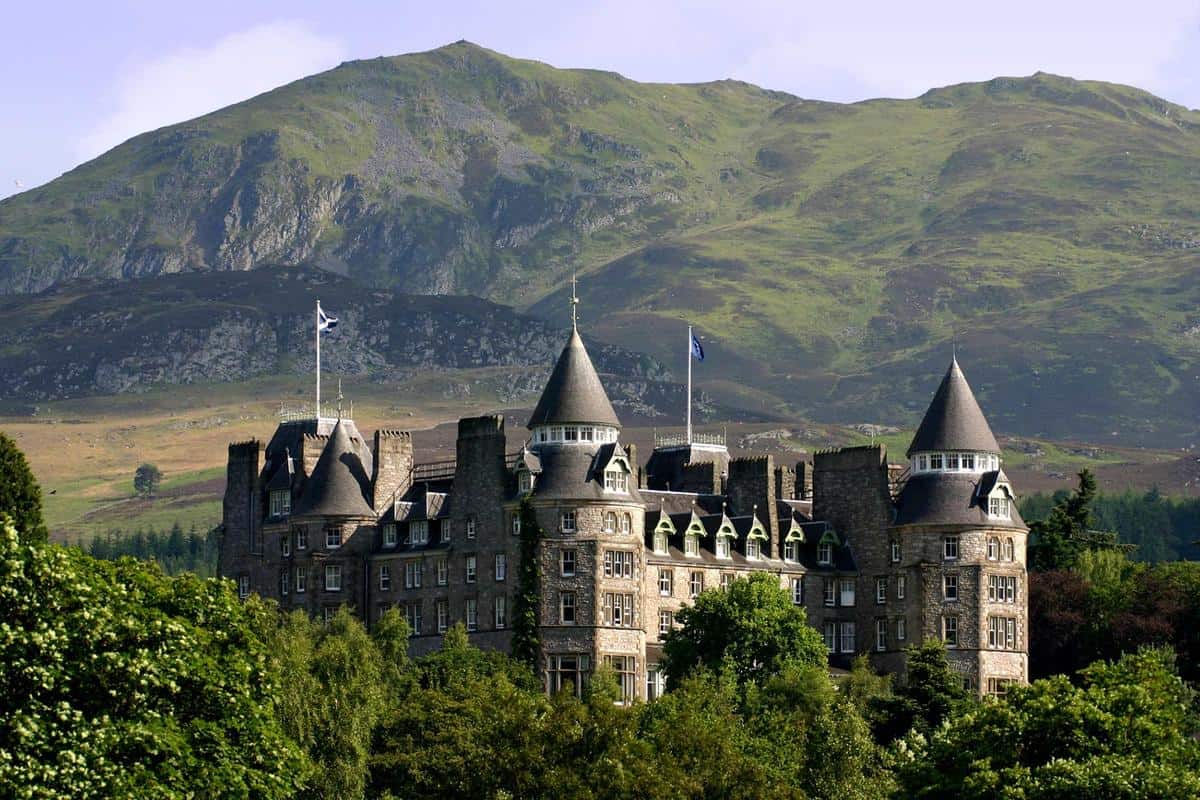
(566, 673)
(691, 545)
(472, 614)
(616, 480)
(829, 633)
(567, 522)
(998, 507)
(501, 567)
(443, 615)
(285, 544)
(791, 551)
(825, 554)
(618, 609)
(666, 582)
(726, 580)
(660, 542)
(1002, 589)
(901, 585)
(655, 684)
(880, 591)
(585, 434)
(570, 433)
(516, 525)
(951, 461)
(618, 564)
(470, 527)
(501, 612)
(847, 631)
(753, 549)
(283, 582)
(950, 548)
(950, 587)
(895, 551)
(1002, 633)
(935, 461)
(922, 463)
(998, 687)
(950, 631)
(281, 503)
(625, 668)
(798, 591)
(881, 627)
(301, 539)
(412, 615)
(389, 535)
(722, 547)
(566, 608)
(847, 592)
(901, 629)
(968, 461)
(333, 577)
(301, 580)
(695, 584)
(418, 532)
(470, 569)
(412, 574)
(567, 563)
(385, 578)
(443, 572)
(333, 537)
(830, 591)
(666, 620)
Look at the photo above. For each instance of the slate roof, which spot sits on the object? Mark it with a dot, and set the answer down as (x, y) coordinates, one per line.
(571, 473)
(954, 420)
(339, 485)
(947, 498)
(284, 473)
(574, 392)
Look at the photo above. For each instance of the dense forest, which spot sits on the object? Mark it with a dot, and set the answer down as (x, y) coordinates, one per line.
(175, 551)
(119, 680)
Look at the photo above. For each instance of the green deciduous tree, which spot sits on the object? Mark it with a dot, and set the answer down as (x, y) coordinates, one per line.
(20, 496)
(146, 479)
(930, 693)
(752, 626)
(118, 681)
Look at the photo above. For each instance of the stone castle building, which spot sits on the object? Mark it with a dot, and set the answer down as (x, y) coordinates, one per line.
(881, 556)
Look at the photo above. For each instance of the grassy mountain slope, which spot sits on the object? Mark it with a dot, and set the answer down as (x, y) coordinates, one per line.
(831, 253)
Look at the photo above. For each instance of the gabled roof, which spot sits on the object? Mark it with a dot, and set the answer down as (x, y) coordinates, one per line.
(574, 392)
(284, 473)
(954, 420)
(339, 485)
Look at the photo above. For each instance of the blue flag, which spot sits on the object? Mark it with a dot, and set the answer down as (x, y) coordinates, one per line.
(697, 350)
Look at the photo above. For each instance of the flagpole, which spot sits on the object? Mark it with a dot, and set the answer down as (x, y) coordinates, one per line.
(689, 389)
(318, 328)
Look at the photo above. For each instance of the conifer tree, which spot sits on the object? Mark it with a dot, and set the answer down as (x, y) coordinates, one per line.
(526, 641)
(20, 496)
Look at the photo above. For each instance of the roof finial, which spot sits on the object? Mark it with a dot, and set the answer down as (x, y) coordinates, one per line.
(339, 398)
(574, 303)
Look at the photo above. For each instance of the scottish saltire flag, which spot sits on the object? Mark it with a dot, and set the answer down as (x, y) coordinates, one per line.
(697, 350)
(325, 323)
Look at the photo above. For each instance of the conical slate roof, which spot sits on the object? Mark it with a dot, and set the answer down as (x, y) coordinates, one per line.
(954, 420)
(339, 483)
(574, 392)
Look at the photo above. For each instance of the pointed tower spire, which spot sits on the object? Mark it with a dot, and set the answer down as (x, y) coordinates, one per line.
(338, 485)
(954, 420)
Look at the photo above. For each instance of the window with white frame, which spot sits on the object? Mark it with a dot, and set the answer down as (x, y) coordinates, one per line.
(389, 534)
(881, 631)
(566, 608)
(301, 539)
(880, 591)
(566, 673)
(901, 629)
(825, 554)
(691, 545)
(655, 683)
(616, 480)
(660, 542)
(830, 591)
(666, 582)
(950, 631)
(516, 526)
(385, 578)
(846, 592)
(472, 614)
(1002, 633)
(284, 575)
(998, 507)
(791, 551)
(626, 524)
(666, 620)
(412, 615)
(470, 573)
(618, 564)
(285, 544)
(993, 548)
(922, 463)
(1002, 588)
(999, 687)
(829, 634)
(727, 579)
(950, 548)
(723, 550)
(281, 502)
(610, 522)
(798, 590)
(333, 577)
(470, 532)
(566, 522)
(328, 613)
(501, 612)
(333, 537)
(1010, 552)
(301, 580)
(895, 551)
(935, 461)
(412, 574)
(695, 583)
(443, 571)
(525, 481)
(754, 548)
(567, 563)
(950, 588)
(625, 668)
(618, 609)
(951, 461)
(443, 615)
(848, 637)
(570, 433)
(501, 567)
(418, 532)
(901, 585)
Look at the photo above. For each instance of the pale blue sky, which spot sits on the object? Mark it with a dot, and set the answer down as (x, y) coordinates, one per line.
(79, 78)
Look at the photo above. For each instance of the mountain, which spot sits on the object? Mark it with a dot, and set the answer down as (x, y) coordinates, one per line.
(831, 254)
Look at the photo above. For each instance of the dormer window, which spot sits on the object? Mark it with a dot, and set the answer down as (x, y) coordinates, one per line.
(389, 535)
(418, 532)
(723, 547)
(791, 551)
(753, 549)
(825, 553)
(281, 502)
(691, 545)
(525, 481)
(998, 507)
(660, 542)
(616, 480)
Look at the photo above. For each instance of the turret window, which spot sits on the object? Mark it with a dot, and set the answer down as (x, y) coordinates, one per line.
(610, 522)
(570, 433)
(566, 522)
(950, 548)
(1009, 550)
(993, 548)
(616, 480)
(935, 461)
(955, 462)
(998, 507)
(626, 523)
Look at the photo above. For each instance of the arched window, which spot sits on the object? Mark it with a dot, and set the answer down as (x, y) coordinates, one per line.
(610, 521)
(626, 524)
(993, 548)
(1009, 550)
